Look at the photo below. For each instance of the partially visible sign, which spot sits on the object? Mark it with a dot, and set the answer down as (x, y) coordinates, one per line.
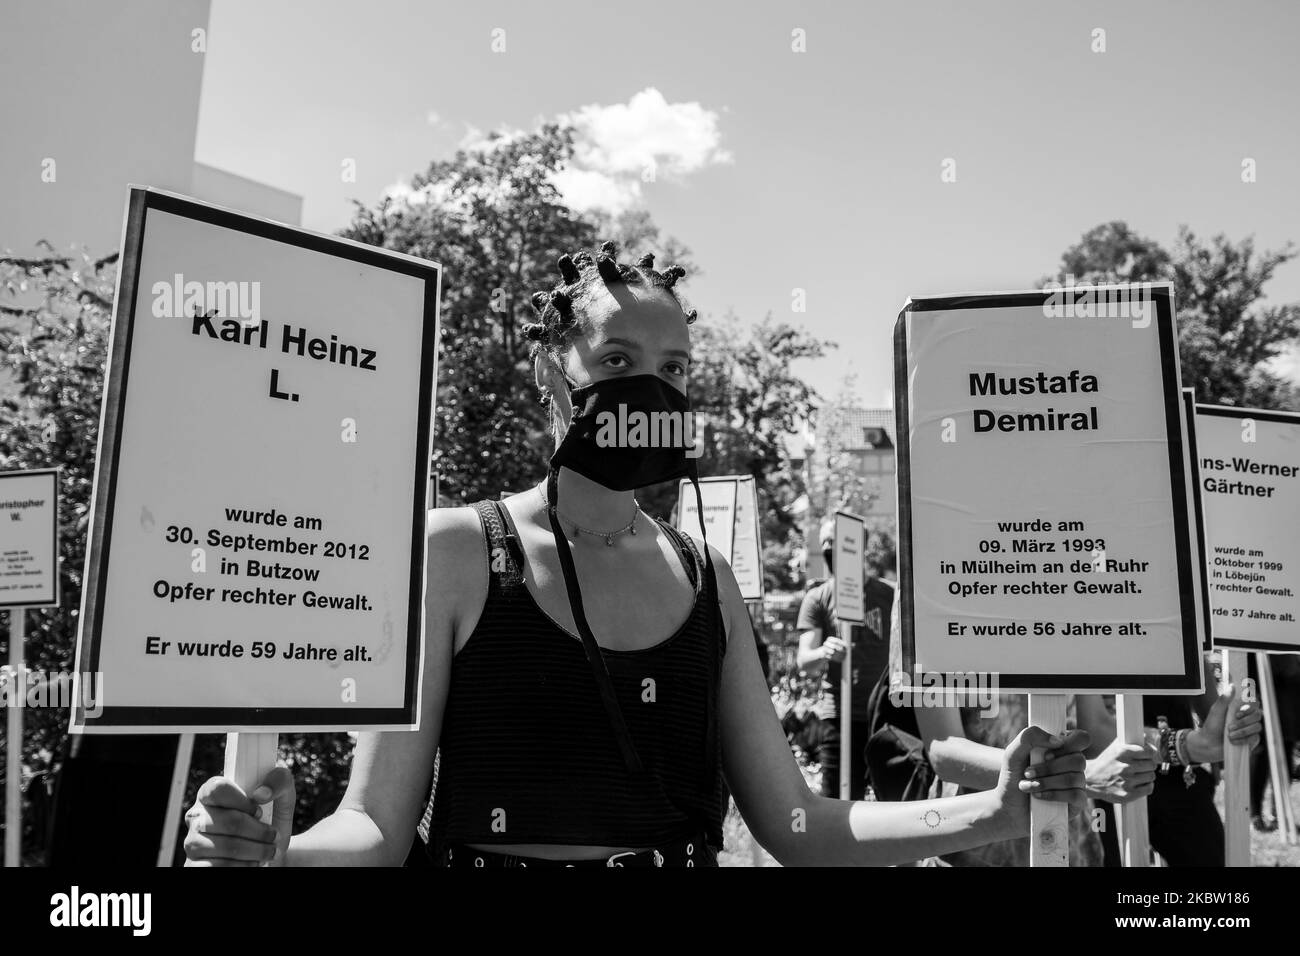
(29, 538)
(1250, 491)
(1204, 616)
(731, 522)
(747, 543)
(719, 498)
(850, 542)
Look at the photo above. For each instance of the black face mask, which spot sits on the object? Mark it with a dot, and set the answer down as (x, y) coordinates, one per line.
(619, 437)
(628, 433)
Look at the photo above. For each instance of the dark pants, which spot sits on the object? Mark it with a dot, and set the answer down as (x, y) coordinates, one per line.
(1286, 682)
(1260, 776)
(1183, 825)
(827, 754)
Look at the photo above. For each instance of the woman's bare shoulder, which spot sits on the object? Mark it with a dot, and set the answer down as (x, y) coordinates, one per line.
(457, 552)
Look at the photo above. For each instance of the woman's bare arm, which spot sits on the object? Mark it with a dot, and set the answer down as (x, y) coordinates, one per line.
(375, 823)
(955, 757)
(800, 828)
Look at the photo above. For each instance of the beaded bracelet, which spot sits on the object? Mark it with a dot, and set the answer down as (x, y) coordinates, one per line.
(1173, 751)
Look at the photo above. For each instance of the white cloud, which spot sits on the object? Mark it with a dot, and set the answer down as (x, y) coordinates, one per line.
(614, 148)
(1287, 364)
(647, 132)
(587, 189)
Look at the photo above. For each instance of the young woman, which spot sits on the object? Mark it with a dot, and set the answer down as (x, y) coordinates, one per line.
(590, 679)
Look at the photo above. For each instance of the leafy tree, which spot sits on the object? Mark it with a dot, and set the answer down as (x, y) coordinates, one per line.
(53, 339)
(747, 399)
(837, 483)
(494, 220)
(1226, 334)
(54, 318)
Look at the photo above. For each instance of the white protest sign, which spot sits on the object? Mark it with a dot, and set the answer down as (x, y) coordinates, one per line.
(719, 498)
(29, 538)
(1250, 493)
(747, 542)
(850, 544)
(257, 550)
(731, 521)
(1044, 530)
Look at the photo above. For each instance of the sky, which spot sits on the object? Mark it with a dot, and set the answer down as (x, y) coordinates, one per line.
(816, 169)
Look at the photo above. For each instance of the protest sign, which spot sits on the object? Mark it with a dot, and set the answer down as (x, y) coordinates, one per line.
(849, 560)
(1045, 533)
(731, 522)
(29, 577)
(257, 546)
(29, 538)
(1250, 491)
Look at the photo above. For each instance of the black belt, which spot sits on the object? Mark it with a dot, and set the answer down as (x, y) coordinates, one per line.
(690, 852)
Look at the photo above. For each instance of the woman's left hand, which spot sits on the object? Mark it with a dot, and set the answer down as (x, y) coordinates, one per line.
(1059, 778)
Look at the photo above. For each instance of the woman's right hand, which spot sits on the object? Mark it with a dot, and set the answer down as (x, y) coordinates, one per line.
(224, 828)
(834, 649)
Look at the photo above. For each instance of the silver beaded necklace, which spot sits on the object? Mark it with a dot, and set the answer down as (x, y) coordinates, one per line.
(609, 536)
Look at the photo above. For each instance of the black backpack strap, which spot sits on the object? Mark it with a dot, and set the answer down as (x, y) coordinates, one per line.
(686, 551)
(504, 554)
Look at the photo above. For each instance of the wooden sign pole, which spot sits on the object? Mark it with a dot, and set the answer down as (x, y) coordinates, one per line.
(1236, 770)
(1134, 837)
(175, 797)
(846, 707)
(14, 741)
(1279, 761)
(249, 758)
(850, 609)
(1049, 823)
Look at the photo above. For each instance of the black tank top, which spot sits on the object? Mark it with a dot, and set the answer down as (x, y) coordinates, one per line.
(527, 753)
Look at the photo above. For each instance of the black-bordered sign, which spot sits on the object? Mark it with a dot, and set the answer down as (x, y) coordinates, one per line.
(257, 549)
(1250, 492)
(1205, 616)
(850, 568)
(1044, 526)
(29, 538)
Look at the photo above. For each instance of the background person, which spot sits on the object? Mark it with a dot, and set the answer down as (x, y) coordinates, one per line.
(821, 654)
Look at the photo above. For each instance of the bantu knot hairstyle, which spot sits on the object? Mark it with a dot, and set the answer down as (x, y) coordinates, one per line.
(558, 310)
